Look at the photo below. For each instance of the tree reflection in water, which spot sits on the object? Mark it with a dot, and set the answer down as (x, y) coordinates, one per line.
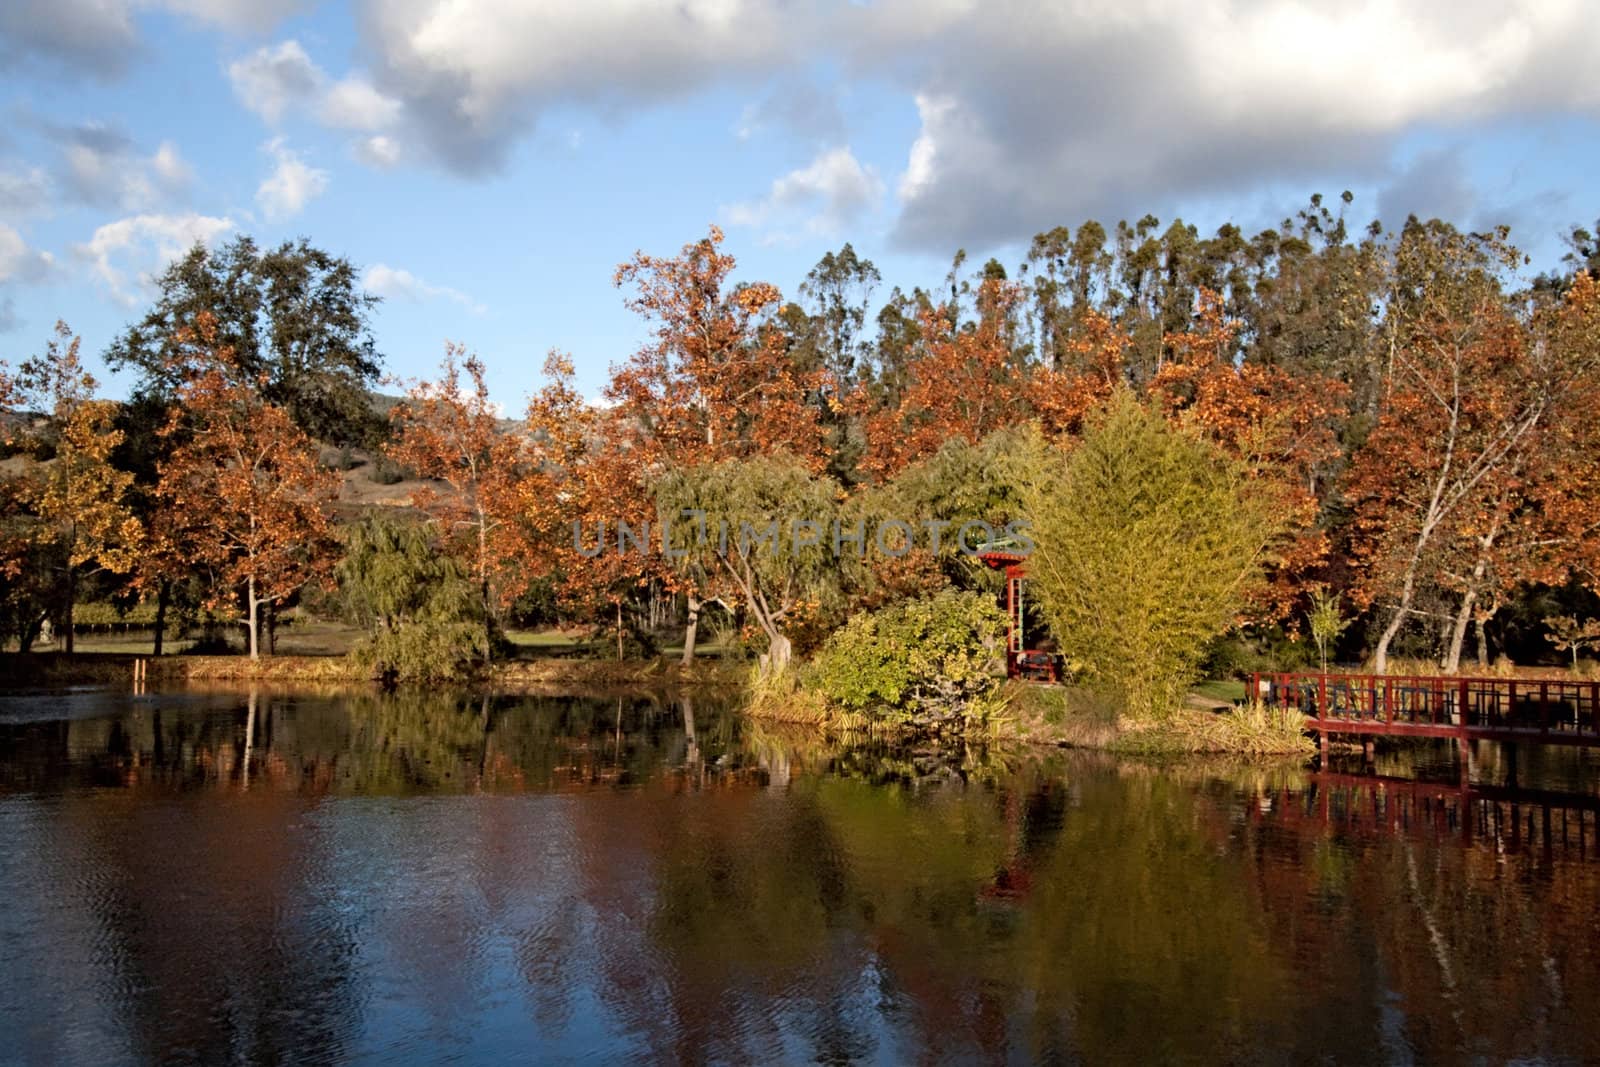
(648, 876)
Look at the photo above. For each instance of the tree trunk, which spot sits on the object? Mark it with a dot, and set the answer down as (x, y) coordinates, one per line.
(619, 631)
(690, 630)
(163, 593)
(254, 622)
(1458, 632)
(72, 594)
(779, 652)
(483, 585)
(1380, 657)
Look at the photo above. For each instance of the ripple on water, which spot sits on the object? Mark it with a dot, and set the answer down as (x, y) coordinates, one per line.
(431, 878)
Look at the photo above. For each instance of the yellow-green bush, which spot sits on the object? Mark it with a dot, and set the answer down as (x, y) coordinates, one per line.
(933, 658)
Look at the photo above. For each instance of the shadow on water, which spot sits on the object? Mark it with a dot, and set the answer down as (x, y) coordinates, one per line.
(200, 877)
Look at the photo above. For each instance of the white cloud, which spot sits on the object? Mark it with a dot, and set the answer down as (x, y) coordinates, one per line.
(378, 151)
(100, 165)
(393, 283)
(169, 166)
(1033, 117)
(18, 262)
(291, 185)
(273, 78)
(353, 104)
(141, 245)
(1032, 114)
(475, 74)
(832, 190)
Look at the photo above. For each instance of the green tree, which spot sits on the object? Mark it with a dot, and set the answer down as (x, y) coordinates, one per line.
(765, 525)
(421, 609)
(295, 317)
(1327, 622)
(1147, 540)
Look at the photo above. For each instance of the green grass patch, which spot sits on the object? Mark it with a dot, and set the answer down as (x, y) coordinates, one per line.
(1230, 689)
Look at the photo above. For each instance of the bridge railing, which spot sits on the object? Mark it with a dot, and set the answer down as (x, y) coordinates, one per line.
(1547, 706)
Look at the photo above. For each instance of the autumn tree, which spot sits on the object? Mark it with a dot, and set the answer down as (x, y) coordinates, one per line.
(1086, 367)
(450, 433)
(1283, 428)
(1467, 403)
(715, 382)
(76, 499)
(961, 382)
(246, 481)
(1533, 518)
(582, 488)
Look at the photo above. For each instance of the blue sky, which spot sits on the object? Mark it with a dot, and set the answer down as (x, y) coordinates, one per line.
(488, 163)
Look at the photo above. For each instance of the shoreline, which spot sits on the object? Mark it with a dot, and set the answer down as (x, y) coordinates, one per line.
(1046, 717)
(87, 668)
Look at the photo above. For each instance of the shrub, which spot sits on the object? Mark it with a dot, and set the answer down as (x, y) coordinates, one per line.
(920, 660)
(424, 616)
(386, 471)
(427, 650)
(1147, 539)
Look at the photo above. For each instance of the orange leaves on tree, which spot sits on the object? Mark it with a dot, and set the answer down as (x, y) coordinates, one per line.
(1094, 365)
(77, 500)
(1481, 457)
(716, 382)
(1282, 426)
(451, 434)
(244, 482)
(961, 382)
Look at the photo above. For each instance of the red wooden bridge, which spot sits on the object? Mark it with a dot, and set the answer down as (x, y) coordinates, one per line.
(1537, 711)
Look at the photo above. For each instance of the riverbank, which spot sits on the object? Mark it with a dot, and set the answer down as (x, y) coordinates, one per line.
(96, 668)
(1068, 717)
(1057, 716)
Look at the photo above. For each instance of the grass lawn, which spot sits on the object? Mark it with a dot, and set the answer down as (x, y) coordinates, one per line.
(1230, 689)
(315, 637)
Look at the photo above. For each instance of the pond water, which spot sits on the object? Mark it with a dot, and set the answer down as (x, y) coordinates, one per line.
(218, 877)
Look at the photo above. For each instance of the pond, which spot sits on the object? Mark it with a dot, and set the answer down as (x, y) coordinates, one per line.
(218, 876)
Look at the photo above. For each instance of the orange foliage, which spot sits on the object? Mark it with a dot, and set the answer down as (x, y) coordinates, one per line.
(962, 382)
(449, 432)
(1061, 398)
(244, 483)
(1282, 426)
(714, 384)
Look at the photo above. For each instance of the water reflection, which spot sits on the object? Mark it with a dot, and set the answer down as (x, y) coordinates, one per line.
(228, 876)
